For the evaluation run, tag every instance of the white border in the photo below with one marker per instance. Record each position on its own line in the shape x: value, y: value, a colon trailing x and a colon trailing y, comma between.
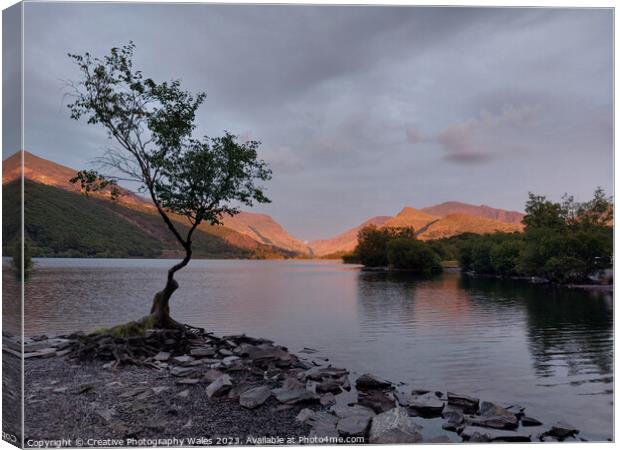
x: 481, y: 3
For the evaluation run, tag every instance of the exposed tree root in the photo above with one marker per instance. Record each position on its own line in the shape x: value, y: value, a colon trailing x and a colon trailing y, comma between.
x: 136, y: 341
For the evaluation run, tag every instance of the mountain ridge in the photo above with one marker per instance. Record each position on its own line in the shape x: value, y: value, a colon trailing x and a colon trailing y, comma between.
x: 251, y: 231
x: 431, y: 226
x: 453, y: 207
x: 260, y: 228
x: 345, y: 241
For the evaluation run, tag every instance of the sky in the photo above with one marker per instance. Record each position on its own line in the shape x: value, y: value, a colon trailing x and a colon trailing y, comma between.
x: 360, y: 110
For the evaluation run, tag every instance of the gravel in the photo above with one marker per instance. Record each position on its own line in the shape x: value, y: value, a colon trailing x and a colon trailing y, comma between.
x: 69, y: 400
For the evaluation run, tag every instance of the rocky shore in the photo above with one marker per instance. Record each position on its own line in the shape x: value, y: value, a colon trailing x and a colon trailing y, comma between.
x: 209, y: 390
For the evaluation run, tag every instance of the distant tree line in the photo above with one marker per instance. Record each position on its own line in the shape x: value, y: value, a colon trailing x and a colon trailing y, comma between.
x: 564, y: 242
x: 394, y: 247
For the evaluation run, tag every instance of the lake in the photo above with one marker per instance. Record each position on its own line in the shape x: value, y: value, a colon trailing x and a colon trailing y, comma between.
x: 548, y: 349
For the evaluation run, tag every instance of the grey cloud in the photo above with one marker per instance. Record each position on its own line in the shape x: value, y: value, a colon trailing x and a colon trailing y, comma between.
x: 484, y: 137
x: 491, y: 134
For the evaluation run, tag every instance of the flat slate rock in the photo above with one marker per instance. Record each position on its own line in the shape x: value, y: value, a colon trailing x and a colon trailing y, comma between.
x: 351, y: 411
x: 480, y: 434
x: 220, y: 386
x: 467, y: 403
x: 201, y: 352
x: 527, y: 421
x: 188, y: 380
x: 183, y: 360
x: 516, y: 409
x: 371, y: 382
x: 179, y: 371
x: 292, y: 383
x: 403, y: 398
x: 353, y: 426
x: 562, y: 430
x: 427, y: 405
x: 329, y: 385
x: 304, y: 415
x: 394, y: 427
x: 378, y: 401
x: 211, y: 375
x: 318, y: 373
x: 255, y: 397
x: 55, y: 343
x: 42, y: 353
x: 494, y: 416
x: 453, y: 416
x: 294, y: 396
x: 327, y: 399
x: 420, y: 391
x: 162, y: 356
x: 235, y: 392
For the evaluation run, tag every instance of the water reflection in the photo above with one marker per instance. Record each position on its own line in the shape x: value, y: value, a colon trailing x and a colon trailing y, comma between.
x: 550, y: 350
x: 567, y: 328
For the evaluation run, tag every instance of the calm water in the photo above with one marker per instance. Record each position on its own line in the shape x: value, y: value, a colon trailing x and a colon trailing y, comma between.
x: 550, y: 350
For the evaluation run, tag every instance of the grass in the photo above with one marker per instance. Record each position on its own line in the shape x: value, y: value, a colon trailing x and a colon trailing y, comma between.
x: 130, y: 329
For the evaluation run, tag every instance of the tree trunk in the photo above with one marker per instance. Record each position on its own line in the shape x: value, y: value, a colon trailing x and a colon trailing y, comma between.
x: 160, y: 311
x: 161, y: 308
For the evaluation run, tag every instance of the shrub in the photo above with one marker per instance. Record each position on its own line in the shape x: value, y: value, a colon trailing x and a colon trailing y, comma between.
x: 413, y: 255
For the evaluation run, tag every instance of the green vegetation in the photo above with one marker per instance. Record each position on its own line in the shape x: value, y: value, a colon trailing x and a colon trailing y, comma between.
x: 563, y: 242
x: 396, y: 248
x: 16, y: 262
x: 130, y: 329
x: 413, y: 255
x: 56, y: 219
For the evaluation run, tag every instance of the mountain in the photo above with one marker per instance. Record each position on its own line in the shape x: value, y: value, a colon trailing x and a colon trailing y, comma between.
x: 250, y: 235
x: 344, y: 242
x: 429, y: 226
x: 411, y: 217
x: 247, y: 234
x: 64, y: 223
x: 433, y: 222
x: 462, y: 223
x: 53, y: 174
x: 448, y: 208
x: 263, y: 229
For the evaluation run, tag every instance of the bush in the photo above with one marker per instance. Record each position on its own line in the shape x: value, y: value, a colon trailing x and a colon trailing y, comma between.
x: 372, y: 247
x: 505, y: 257
x: 481, y: 256
x: 372, y: 244
x: 413, y: 255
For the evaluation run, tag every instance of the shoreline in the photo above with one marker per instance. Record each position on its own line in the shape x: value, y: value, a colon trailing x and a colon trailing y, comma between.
x: 250, y: 388
x: 530, y: 280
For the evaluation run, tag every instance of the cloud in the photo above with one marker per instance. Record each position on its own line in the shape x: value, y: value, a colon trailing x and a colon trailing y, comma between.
x: 414, y: 136
x: 482, y: 138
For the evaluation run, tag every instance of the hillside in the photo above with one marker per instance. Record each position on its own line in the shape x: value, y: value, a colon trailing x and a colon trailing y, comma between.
x: 250, y: 234
x: 429, y: 225
x: 448, y: 208
x: 461, y: 223
x: 344, y: 242
x: 263, y: 229
x: 62, y: 223
x: 57, y: 206
x: 411, y: 217
x: 50, y: 173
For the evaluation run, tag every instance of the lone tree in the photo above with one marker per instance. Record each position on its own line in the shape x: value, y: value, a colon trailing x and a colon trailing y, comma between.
x: 152, y: 125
